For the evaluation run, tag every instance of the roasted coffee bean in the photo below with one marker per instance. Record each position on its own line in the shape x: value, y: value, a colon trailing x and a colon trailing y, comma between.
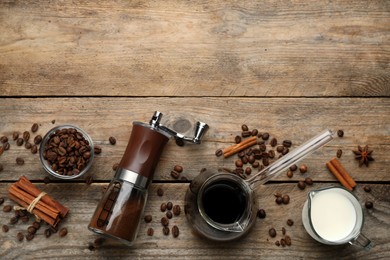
x: 164, y: 221
x: 285, y: 151
x: 283, y: 231
x: 290, y: 222
x: 365, y: 188
x: 34, y: 149
x: 272, y: 232
x: 178, y: 168
x: 46, y: 180
x: 53, y: 121
x: 112, y: 140
x: 31, y: 230
x: 369, y: 204
x: 176, y: 210
x: 255, y: 164
x: 1, y: 200
x: 237, y: 139
x: 246, y: 133
x: 150, y: 232
x: 19, y: 161
x: 115, y: 166
x: 279, y: 200
x: 6, y: 146
x: 63, y: 232
x: 290, y: 174
x: 244, y: 159
x: 282, y: 242
x: 5, y: 228
x: 175, y: 174
x: 293, y: 167
x: 339, y: 153
x: 255, y: 132
x: 15, y: 136
x: 273, y: 142
x: 218, y: 152
x: 160, y: 192
x: 175, y: 231
x: 340, y: 133
x: 148, y: 218
x: 287, y: 143
x: 89, y: 179
x: 169, y: 205
x: 309, y: 181
x: 53, y: 230
x: 29, y: 237
x: 163, y: 207
x: 261, y: 213
x: 265, y: 161
x: 169, y: 214
x: 1, y: 150
x: 239, y: 163
x: 1, y: 169
x: 19, y: 142
x: 25, y: 219
x: 37, y: 139
x: 97, y: 150
x: 277, y: 243
x: 14, y: 220
x: 7, y: 208
x: 265, y: 136
x: 271, y: 154
x: 3, y: 139
x: 288, y: 240
x: 241, y: 154
x: 303, y: 168
x: 34, y: 127
x: 27, y: 145
x: 301, y: 185
x: 165, y: 231
x: 244, y: 127
x: 248, y: 170
x: 262, y: 147
x: 286, y: 199
x: 47, y: 232
x: 179, y: 142
x: 26, y: 136
x: 279, y: 148
x: 20, y: 236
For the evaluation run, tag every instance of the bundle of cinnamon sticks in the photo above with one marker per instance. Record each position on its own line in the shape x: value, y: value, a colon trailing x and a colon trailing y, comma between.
x: 341, y: 174
x: 46, y: 208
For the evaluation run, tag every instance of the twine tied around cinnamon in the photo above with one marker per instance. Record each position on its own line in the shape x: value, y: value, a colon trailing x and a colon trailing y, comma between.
x: 32, y: 205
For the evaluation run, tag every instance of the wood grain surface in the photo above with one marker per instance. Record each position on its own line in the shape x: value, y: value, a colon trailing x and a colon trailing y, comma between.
x: 289, y: 68
x: 200, y: 48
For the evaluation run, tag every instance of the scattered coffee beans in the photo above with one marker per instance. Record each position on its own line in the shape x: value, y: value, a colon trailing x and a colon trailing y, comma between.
x: 37, y: 139
x: 169, y: 214
x: 112, y: 140
x: 340, y: 133
x: 97, y: 150
x: 286, y: 199
x: 3, y: 139
x: 244, y: 127
x: 290, y: 174
x: 47, y: 232
x: 237, y: 139
x: 165, y: 231
x: 277, y: 243
x: 115, y: 166
x: 175, y: 174
x: 175, y: 231
x: 148, y: 218
x: 34, y: 149
x: 14, y: 220
x: 176, y: 210
x: 283, y: 231
x: 19, y: 161
x: 26, y: 136
x: 365, y: 188
x: 6, y: 146
x: 272, y: 232
x: 150, y: 232
x: 27, y: 145
x: 303, y: 168
x: 5, y: 228
x: 169, y: 205
x: 31, y: 230
x: 282, y: 242
x: 1, y: 169
x: 290, y: 222
x: 7, y: 208
x: 246, y: 133
x: 160, y: 192
x: 1, y: 150
x: 63, y: 232
x: 178, y: 168
x: 261, y: 213
x: 369, y: 204
x: 293, y: 167
x: 89, y: 179
x: 163, y: 207
x: 29, y: 237
x: 218, y: 152
x: 20, y: 236
x: 265, y: 136
x: 339, y: 153
x: 34, y: 127
x: 279, y: 200
x: 287, y: 239
x: 287, y: 143
x: 1, y: 200
x: 309, y: 181
x: 301, y: 185
x: 15, y: 136
x: 273, y: 142
x: 19, y: 142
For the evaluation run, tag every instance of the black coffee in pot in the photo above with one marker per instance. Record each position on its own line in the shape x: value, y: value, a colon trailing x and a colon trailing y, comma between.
x: 224, y: 202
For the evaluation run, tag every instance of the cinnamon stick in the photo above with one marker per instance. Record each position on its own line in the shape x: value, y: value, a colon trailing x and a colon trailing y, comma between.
x: 337, y: 164
x: 336, y: 173
x: 240, y: 146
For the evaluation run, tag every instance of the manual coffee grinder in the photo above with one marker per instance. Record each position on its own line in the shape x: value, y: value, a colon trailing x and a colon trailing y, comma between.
x: 119, y: 212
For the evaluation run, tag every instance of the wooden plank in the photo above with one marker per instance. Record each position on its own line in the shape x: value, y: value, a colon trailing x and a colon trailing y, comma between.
x: 82, y: 200
x: 167, y: 48
x: 364, y: 121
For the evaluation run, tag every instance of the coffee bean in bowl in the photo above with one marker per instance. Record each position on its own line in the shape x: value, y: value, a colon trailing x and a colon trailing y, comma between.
x: 66, y: 152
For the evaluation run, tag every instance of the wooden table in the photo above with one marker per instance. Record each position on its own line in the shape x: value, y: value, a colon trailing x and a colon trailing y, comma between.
x: 290, y: 68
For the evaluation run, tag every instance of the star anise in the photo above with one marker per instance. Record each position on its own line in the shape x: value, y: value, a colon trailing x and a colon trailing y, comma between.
x: 363, y: 155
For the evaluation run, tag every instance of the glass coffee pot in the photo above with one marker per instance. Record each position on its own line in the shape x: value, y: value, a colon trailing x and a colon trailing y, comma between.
x: 223, y: 206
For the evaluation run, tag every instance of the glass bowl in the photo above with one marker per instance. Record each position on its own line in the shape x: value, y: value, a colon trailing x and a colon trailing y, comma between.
x: 66, y: 152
